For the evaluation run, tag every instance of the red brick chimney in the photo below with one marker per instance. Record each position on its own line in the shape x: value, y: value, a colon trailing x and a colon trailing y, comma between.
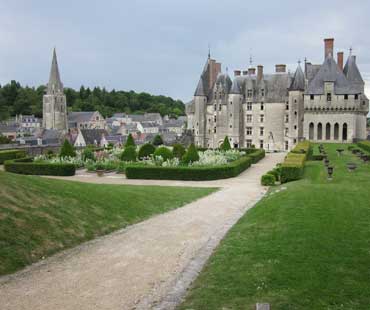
x: 280, y: 68
x: 237, y: 72
x: 340, y: 60
x: 259, y: 72
x: 252, y: 71
x: 329, y: 46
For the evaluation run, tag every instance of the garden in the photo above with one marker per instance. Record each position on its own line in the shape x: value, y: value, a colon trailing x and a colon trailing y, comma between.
x: 149, y: 161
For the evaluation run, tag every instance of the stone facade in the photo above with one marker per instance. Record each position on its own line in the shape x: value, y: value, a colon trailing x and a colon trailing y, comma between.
x: 54, y: 101
x: 274, y: 111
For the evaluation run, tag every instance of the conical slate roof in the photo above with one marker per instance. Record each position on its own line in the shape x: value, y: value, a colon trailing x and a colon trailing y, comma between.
x: 200, y: 88
x: 224, y: 80
x: 351, y: 70
x: 298, y: 82
x: 329, y: 72
x: 55, y: 84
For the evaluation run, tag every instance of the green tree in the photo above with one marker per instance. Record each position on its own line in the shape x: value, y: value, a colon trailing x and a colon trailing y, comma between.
x: 129, y: 154
x: 157, y: 140
x: 191, y: 155
x: 178, y: 150
x: 67, y: 150
x: 130, y: 141
x: 225, y: 146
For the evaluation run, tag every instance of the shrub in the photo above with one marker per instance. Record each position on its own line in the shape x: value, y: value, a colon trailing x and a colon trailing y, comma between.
x: 191, y: 155
x: 365, y: 145
x: 129, y: 154
x: 157, y: 140
x: 188, y: 173
x: 225, y: 146
x: 88, y: 154
x: 256, y: 155
x: 27, y: 166
x: 178, y: 151
x: 67, y: 150
x: 164, y: 152
x: 275, y: 172
x: 146, y: 150
x: 293, y: 167
x: 11, y: 154
x: 268, y: 179
x: 130, y: 141
x: 4, y: 140
x: 303, y: 147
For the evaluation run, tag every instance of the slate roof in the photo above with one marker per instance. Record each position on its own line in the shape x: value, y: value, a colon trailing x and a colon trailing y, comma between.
x: 353, y: 74
x: 330, y: 72
x: 92, y: 135
x: 199, y: 91
x: 55, y: 84
x: 8, y: 128
x: 80, y: 117
x: 149, y: 124
x: 224, y: 81
x: 299, y: 81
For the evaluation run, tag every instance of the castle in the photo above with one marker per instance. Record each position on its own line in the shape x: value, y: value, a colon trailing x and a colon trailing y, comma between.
x: 54, y: 101
x: 274, y: 111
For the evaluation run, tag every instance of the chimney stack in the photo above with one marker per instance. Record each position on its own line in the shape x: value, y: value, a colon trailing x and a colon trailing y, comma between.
x: 329, y: 47
x: 237, y: 72
x: 280, y: 68
x: 252, y: 71
x: 259, y: 72
x: 245, y: 72
x: 340, y: 60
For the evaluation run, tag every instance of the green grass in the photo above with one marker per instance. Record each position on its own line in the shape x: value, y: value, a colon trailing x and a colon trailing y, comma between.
x: 40, y: 216
x: 306, y: 247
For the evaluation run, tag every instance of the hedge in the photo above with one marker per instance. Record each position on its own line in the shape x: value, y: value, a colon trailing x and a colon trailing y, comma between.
x: 257, y: 155
x: 193, y: 173
x: 11, y: 154
x: 28, y: 166
x: 365, y: 145
x: 303, y: 147
x: 268, y: 179
x: 292, y: 167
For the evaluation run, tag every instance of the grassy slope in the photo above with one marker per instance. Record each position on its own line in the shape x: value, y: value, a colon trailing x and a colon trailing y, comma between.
x: 307, y: 247
x: 39, y: 216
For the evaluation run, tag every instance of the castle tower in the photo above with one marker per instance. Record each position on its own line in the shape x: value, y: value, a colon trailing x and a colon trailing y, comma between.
x: 54, y: 101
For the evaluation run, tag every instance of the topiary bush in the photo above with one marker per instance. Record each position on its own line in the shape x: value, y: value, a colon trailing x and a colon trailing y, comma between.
x: 146, y: 150
x: 275, y: 172
x: 130, y: 141
x: 164, y: 152
x: 67, y: 150
x: 225, y: 146
x: 157, y: 140
x: 129, y: 154
x: 268, y: 179
x: 191, y: 155
x: 11, y: 154
x: 178, y: 151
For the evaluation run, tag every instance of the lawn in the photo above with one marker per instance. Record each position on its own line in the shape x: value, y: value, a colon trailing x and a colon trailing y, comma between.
x: 305, y: 247
x: 39, y: 216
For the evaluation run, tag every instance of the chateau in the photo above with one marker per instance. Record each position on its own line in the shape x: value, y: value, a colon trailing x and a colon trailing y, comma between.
x: 274, y: 111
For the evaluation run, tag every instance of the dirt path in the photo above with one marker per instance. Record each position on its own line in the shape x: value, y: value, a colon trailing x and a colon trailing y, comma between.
x: 146, y: 266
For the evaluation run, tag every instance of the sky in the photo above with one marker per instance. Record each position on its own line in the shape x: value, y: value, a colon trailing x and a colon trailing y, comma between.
x: 161, y: 46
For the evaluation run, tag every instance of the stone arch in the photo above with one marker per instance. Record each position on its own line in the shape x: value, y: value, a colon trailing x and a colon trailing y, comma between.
x: 336, y: 131
x: 327, y: 131
x: 344, y: 132
x: 319, y: 131
x: 311, y: 131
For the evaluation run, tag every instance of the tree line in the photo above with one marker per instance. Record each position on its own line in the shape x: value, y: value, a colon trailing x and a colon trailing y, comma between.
x: 16, y: 99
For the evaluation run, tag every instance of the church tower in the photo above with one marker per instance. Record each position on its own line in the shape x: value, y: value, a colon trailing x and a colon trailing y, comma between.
x: 54, y: 101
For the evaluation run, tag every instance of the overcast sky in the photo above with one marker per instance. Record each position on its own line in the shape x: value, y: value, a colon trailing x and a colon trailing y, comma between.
x: 161, y: 46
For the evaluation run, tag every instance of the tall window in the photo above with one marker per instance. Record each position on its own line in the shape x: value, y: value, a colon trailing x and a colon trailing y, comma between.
x: 249, y: 106
x: 262, y: 118
x: 261, y: 131
x: 312, y: 97
x: 262, y: 106
x: 262, y: 92
x: 249, y: 131
x: 319, y: 131
x: 249, y: 93
x: 328, y: 97
x: 249, y: 118
x: 286, y: 145
x: 261, y: 144
x: 286, y: 131
x: 287, y: 106
x: 310, y: 131
x: 286, y: 118
x: 249, y: 143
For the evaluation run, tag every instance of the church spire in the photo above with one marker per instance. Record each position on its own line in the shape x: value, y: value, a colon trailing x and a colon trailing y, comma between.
x: 55, y: 85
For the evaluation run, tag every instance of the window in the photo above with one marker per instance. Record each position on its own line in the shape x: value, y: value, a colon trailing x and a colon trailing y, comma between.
x: 214, y: 119
x: 249, y: 93
x: 287, y: 106
x: 249, y: 143
x: 219, y: 107
x: 231, y: 126
x: 231, y: 102
x: 262, y: 106
x: 214, y: 130
x: 287, y: 118
x: 261, y: 144
x: 231, y: 115
x: 294, y: 141
x: 312, y: 97
x: 249, y: 106
x: 215, y: 107
x: 261, y: 131
x: 286, y: 131
x: 262, y: 117
x: 328, y: 97
x: 295, y: 113
x: 356, y: 97
x: 262, y: 92
x: 345, y: 97
x: 249, y: 131
x: 286, y: 145
x: 295, y: 127
x: 249, y: 118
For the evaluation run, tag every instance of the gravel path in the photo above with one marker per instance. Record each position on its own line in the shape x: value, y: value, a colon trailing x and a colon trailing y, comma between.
x: 145, y: 266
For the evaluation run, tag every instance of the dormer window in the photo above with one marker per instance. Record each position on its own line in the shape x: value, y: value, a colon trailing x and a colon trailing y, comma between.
x: 328, y: 97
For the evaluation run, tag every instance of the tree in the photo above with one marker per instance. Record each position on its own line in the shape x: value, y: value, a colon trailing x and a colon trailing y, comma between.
x: 178, y: 150
x: 4, y: 140
x: 146, y: 150
x: 67, y: 150
x: 225, y: 146
x: 130, y: 141
x: 191, y: 155
x: 129, y: 154
x: 164, y: 152
x: 157, y: 140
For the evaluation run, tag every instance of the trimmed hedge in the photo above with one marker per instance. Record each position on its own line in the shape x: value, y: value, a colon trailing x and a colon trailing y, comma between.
x: 268, y: 179
x: 193, y: 173
x: 293, y: 167
x: 257, y: 155
x: 27, y: 166
x: 365, y: 145
x: 11, y: 154
x: 303, y: 147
